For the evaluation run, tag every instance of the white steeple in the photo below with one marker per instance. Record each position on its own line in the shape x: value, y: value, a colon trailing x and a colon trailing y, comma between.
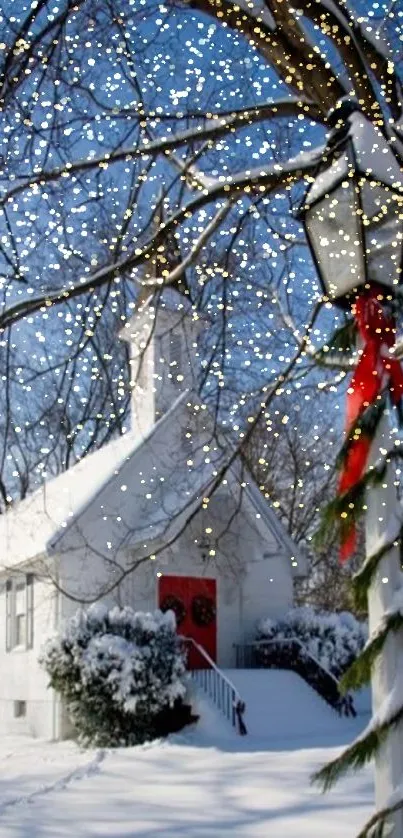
x: 163, y: 346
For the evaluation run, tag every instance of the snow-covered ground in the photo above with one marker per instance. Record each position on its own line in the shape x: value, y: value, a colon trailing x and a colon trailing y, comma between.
x: 175, y: 790
x: 205, y: 783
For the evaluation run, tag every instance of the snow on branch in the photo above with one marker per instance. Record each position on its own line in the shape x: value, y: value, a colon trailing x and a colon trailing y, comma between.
x: 258, y: 10
x: 276, y: 176
x: 348, y: 43
x: 208, y: 231
x: 361, y: 45
x: 214, y: 128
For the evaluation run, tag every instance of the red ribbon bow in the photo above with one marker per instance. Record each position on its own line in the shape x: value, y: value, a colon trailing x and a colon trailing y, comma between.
x: 375, y: 370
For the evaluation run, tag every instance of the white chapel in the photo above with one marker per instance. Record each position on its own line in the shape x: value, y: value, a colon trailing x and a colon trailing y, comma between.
x: 165, y: 516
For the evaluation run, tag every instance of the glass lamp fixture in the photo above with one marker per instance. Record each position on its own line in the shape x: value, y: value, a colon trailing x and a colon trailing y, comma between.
x: 353, y: 209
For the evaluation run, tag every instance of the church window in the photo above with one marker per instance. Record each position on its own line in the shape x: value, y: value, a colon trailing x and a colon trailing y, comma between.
x: 20, y: 709
x: 20, y: 612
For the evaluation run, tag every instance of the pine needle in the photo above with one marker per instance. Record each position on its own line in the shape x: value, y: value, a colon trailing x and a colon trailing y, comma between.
x: 374, y: 828
x: 359, y: 673
x: 343, y: 511
x: 357, y: 755
x: 341, y: 342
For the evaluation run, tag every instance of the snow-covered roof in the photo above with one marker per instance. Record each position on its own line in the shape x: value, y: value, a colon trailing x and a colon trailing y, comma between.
x: 372, y: 157
x: 136, y: 491
x: 28, y: 525
x: 373, y: 152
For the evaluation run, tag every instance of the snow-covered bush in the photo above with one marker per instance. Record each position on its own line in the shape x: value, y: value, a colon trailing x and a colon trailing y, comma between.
x: 335, y: 640
x: 120, y: 674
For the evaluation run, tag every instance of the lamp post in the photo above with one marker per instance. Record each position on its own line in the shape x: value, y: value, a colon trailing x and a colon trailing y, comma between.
x: 353, y: 215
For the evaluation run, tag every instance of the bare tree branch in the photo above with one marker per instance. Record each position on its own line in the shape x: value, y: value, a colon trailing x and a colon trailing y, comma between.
x: 214, y: 129
x: 274, y: 177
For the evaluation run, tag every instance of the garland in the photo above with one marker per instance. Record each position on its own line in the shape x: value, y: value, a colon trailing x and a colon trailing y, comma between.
x: 346, y: 508
x: 344, y: 513
x: 365, y: 425
x: 359, y: 672
x: 363, y: 578
x: 342, y: 342
x: 377, y: 371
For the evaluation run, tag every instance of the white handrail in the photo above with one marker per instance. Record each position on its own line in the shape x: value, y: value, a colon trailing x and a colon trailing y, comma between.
x: 233, y: 706
x: 345, y: 702
x: 213, y: 665
x: 301, y: 645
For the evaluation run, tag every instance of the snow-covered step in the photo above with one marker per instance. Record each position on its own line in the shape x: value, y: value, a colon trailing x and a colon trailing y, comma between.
x: 280, y: 705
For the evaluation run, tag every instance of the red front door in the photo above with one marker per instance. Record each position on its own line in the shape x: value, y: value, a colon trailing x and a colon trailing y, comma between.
x: 194, y: 601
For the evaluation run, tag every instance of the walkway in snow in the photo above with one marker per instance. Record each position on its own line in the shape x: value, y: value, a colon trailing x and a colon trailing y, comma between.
x: 207, y: 782
x: 185, y: 788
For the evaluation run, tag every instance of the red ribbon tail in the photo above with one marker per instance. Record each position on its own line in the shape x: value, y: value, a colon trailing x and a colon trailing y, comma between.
x: 364, y: 387
x: 355, y: 463
x: 348, y: 544
x: 375, y: 370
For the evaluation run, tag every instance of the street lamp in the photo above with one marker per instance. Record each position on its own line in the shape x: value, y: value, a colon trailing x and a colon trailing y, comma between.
x: 353, y: 217
x: 353, y: 210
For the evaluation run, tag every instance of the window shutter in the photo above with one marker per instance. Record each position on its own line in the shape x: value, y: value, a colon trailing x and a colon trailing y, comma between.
x: 9, y: 614
x: 29, y: 581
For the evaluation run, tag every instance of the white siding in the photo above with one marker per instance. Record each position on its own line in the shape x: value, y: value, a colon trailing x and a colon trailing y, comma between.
x: 22, y: 678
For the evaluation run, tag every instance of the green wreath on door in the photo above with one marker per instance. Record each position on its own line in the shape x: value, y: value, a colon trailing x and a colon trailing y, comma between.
x: 173, y: 603
x: 203, y: 610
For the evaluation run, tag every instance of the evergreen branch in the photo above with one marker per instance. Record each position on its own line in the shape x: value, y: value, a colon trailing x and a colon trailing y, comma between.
x: 366, y: 425
x: 346, y: 509
x: 339, y: 350
x: 342, y: 341
x: 358, y: 754
x: 362, y: 579
x: 374, y: 828
x: 359, y: 673
x: 341, y: 512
